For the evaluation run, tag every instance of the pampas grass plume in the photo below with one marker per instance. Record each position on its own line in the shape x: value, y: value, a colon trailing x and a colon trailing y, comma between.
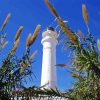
x: 28, y: 40
x: 85, y: 14
x: 51, y: 8
x: 31, y: 38
x: 5, y: 22
x: 98, y: 44
x: 33, y: 55
x: 15, y: 46
x: 18, y: 32
x: 35, y: 34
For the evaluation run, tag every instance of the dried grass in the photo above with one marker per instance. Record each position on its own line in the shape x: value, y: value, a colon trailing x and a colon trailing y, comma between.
x: 35, y: 34
x: 5, y: 22
x: 24, y: 67
x: 31, y: 39
x: 66, y: 30
x: 61, y: 65
x: 27, y: 63
x: 51, y: 8
x: 33, y: 55
x: 28, y: 40
x: 85, y: 14
x: 98, y: 44
x: 70, y: 35
x: 18, y: 32
x: 15, y: 46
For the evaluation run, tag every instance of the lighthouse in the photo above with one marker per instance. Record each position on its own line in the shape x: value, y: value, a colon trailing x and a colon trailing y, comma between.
x: 48, y: 74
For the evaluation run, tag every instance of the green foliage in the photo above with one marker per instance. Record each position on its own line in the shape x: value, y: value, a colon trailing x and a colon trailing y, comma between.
x: 87, y: 69
x: 13, y: 70
x: 86, y: 60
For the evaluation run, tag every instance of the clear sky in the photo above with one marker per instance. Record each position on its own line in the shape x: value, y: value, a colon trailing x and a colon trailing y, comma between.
x: 29, y: 13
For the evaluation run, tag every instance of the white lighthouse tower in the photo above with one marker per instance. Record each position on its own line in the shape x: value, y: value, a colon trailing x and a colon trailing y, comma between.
x: 49, y: 42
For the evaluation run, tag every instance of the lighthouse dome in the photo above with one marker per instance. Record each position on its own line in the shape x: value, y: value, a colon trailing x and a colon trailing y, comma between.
x: 51, y: 28
x: 50, y: 31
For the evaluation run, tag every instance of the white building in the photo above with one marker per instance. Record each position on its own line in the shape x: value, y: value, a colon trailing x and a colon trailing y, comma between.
x: 49, y: 42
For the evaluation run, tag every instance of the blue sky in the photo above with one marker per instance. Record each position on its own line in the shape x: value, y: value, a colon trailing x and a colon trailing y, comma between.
x: 29, y: 13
